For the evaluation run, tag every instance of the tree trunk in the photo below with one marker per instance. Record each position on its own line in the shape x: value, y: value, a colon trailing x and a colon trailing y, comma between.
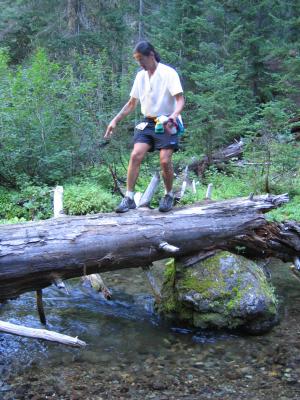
x: 77, y: 17
x: 35, y: 254
x: 72, y: 17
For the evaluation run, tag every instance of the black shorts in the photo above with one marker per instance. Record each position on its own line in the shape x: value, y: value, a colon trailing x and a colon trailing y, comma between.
x: 157, y: 141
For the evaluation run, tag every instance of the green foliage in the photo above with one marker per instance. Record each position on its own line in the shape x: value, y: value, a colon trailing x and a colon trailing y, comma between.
x: 52, y: 117
x: 289, y: 211
x: 240, y: 182
x: 7, y: 207
x: 31, y: 202
x: 87, y: 198
x: 218, y: 101
x: 35, y: 201
x: 99, y: 175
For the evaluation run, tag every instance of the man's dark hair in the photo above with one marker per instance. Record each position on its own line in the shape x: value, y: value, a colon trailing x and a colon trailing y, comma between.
x: 145, y: 48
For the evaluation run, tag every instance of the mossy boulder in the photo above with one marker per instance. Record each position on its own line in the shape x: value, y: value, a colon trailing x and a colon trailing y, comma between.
x: 223, y: 292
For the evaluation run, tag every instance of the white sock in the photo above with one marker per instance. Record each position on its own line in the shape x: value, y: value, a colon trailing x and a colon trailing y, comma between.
x: 129, y: 194
x: 170, y: 193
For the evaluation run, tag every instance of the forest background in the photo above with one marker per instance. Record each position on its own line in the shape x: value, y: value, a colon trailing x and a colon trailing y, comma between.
x: 66, y: 68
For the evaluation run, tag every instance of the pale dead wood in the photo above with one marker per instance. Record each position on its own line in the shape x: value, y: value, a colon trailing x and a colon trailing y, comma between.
x: 149, y: 192
x: 58, y: 209
x: 153, y: 284
x: 44, y: 334
x: 98, y: 285
x: 168, y: 248
x: 209, y: 191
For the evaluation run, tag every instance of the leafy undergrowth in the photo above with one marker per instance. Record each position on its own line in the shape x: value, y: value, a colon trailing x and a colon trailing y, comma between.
x: 231, y: 186
x: 289, y: 211
x: 92, y: 194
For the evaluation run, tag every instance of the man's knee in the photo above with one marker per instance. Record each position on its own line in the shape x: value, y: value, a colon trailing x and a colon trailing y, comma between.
x: 137, y: 156
x: 166, y: 163
x: 166, y: 160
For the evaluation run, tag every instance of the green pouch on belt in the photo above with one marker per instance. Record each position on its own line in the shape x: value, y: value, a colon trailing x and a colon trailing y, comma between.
x: 159, y: 123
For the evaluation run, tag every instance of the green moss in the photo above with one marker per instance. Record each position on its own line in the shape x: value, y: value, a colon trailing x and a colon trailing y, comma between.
x: 170, y: 270
x: 169, y: 301
x: 211, y: 281
x: 215, y: 285
x: 169, y: 305
x: 205, y: 286
x: 185, y: 314
x: 209, y: 319
x: 238, y: 293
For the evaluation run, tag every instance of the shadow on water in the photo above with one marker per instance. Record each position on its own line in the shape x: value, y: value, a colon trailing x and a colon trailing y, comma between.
x: 132, y: 354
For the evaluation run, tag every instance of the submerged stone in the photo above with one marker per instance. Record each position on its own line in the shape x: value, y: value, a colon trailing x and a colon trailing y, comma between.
x: 225, y: 291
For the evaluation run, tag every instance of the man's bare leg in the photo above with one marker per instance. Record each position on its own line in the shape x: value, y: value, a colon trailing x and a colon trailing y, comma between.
x: 137, y: 155
x: 167, y: 168
x: 166, y: 164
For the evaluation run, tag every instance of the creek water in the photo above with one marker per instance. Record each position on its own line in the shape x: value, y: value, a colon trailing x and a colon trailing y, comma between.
x: 131, y: 354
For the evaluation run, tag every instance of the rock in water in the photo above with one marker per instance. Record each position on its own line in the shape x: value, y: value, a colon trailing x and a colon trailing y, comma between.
x: 225, y: 291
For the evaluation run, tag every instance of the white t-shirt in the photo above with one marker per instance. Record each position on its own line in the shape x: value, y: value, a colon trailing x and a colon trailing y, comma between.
x: 156, y: 93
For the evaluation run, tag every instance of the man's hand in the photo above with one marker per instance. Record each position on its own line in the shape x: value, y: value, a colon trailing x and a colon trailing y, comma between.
x: 173, y: 117
x: 110, y: 129
x: 128, y: 108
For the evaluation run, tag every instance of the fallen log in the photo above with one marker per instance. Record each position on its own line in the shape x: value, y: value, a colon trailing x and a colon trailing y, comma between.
x: 234, y: 150
x: 35, y: 254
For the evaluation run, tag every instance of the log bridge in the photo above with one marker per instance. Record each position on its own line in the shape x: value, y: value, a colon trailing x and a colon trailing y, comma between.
x: 34, y: 255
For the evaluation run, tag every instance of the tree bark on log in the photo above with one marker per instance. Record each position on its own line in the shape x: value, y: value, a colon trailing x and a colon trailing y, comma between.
x: 35, y: 254
x: 280, y: 240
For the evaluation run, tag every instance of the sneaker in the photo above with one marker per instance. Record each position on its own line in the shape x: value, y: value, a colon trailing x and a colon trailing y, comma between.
x: 166, y: 203
x: 126, y: 204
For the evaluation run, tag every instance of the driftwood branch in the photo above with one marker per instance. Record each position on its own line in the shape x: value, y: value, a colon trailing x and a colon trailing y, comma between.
x: 40, y: 306
x: 98, y: 285
x: 44, y: 334
x: 153, y: 283
x: 295, y: 272
x: 61, y: 285
x: 117, y: 188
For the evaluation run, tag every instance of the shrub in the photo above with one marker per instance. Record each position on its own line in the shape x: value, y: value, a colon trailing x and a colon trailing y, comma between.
x: 31, y: 202
x: 87, y: 198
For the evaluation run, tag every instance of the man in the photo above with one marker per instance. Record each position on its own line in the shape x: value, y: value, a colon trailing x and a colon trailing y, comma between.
x: 158, y: 88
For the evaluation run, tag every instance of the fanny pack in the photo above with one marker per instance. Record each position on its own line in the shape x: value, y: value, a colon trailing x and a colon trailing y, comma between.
x: 165, y: 124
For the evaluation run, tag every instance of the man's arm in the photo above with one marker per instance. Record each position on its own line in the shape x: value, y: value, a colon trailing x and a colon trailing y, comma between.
x: 179, y: 106
x: 127, y: 109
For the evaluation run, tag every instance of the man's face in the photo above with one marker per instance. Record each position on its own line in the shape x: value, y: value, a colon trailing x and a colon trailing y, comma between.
x: 145, y: 62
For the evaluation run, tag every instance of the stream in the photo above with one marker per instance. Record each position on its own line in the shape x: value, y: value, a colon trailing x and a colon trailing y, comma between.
x: 132, y: 354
